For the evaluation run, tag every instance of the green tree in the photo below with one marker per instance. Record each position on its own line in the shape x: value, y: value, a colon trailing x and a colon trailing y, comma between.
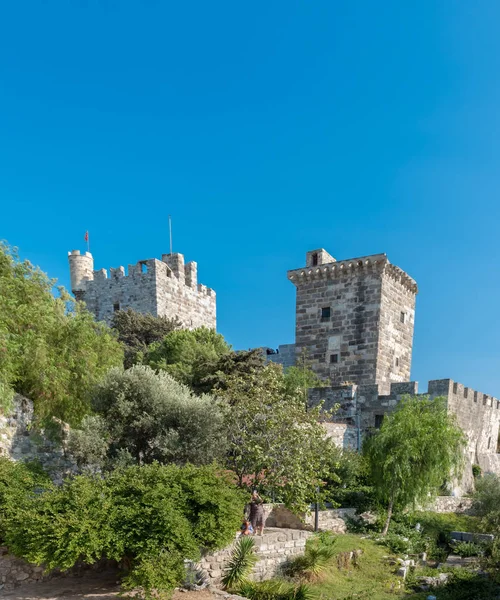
x: 148, y: 416
x: 51, y: 349
x: 275, y: 442
x: 487, y: 501
x: 418, y: 447
x: 150, y: 518
x: 218, y: 371
x: 138, y: 331
x: 185, y: 354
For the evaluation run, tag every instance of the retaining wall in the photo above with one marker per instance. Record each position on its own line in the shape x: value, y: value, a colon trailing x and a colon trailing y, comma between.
x: 273, y: 549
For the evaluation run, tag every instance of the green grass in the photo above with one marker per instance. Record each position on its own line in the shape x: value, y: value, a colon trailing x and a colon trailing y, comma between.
x: 373, y: 579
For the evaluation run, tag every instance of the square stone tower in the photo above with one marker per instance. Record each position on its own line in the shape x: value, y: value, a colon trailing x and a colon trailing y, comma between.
x: 355, y: 318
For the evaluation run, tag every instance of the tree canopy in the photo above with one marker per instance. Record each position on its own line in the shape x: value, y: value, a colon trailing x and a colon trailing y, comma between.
x: 143, y: 416
x: 137, y: 331
x: 417, y: 449
x: 275, y: 442
x: 188, y: 355
x: 51, y: 349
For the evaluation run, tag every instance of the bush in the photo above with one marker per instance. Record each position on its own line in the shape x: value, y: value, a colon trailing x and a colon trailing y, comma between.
x: 487, y: 502
x: 16, y: 481
x: 150, y: 518
x: 146, y: 416
x: 467, y: 549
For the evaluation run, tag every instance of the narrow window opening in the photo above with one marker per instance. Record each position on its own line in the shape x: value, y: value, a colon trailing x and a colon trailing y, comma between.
x: 325, y: 313
x: 455, y: 387
x: 489, y: 443
x: 379, y: 419
x: 397, y: 361
x: 402, y: 317
x: 315, y: 259
x: 334, y: 359
x: 485, y: 399
x: 116, y: 307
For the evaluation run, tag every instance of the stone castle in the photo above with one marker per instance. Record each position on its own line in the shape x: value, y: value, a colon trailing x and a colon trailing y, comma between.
x: 354, y: 326
x: 164, y: 288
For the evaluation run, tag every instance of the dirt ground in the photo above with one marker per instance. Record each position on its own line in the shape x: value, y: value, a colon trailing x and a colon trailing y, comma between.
x: 98, y: 586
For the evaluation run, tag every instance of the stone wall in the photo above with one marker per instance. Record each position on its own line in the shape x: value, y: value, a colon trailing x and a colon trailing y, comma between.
x: 334, y: 520
x: 274, y: 548
x: 354, y: 318
x: 14, y: 571
x: 284, y: 356
x: 20, y: 441
x: 478, y: 415
x: 397, y: 319
x: 164, y: 287
x: 450, y: 504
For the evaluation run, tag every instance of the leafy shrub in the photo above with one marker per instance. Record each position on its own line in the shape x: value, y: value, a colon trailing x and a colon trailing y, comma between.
x: 275, y: 589
x: 476, y: 471
x: 467, y: 585
x: 151, y: 518
x: 487, y: 502
x: 16, y: 481
x: 467, y: 549
x: 241, y: 563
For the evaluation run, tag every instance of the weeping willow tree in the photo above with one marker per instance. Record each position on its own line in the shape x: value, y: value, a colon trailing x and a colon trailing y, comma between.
x: 418, y: 447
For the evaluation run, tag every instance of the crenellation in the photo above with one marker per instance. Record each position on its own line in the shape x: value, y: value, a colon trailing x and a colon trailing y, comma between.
x: 100, y: 274
x: 164, y: 287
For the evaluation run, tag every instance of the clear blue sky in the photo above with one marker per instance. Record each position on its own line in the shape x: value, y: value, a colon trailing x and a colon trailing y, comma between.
x: 265, y: 129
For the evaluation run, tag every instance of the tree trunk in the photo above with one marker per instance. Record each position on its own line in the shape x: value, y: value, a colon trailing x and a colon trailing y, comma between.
x: 389, y: 515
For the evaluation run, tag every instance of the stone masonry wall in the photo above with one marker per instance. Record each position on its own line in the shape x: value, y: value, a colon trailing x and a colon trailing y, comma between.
x: 20, y: 442
x: 164, y: 287
x: 397, y: 319
x: 348, y: 318
x: 478, y: 415
x: 274, y: 548
x: 285, y: 356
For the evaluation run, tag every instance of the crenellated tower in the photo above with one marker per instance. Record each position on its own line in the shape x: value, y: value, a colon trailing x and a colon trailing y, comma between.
x: 355, y: 318
x: 166, y: 287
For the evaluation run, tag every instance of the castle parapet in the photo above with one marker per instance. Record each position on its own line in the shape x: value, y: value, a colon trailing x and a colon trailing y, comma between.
x: 461, y: 394
x: 191, y: 272
x: 176, y: 262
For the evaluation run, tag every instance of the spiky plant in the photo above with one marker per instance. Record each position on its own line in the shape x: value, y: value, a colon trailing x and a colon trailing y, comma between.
x: 241, y: 563
x: 276, y: 589
x: 318, y: 556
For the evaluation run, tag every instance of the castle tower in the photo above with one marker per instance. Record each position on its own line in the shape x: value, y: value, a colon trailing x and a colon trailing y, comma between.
x: 355, y: 318
x: 164, y: 288
x: 81, y: 269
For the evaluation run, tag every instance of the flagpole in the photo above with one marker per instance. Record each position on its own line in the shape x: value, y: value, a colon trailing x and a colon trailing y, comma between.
x: 170, y: 231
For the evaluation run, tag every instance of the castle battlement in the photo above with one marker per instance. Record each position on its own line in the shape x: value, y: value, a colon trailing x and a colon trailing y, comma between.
x: 166, y: 287
x: 458, y: 393
x: 318, y: 269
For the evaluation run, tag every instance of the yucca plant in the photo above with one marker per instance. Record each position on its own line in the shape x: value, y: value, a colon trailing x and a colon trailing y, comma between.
x: 318, y: 556
x: 241, y: 563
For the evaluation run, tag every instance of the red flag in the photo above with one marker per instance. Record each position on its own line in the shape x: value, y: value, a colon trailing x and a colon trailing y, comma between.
x: 86, y: 238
